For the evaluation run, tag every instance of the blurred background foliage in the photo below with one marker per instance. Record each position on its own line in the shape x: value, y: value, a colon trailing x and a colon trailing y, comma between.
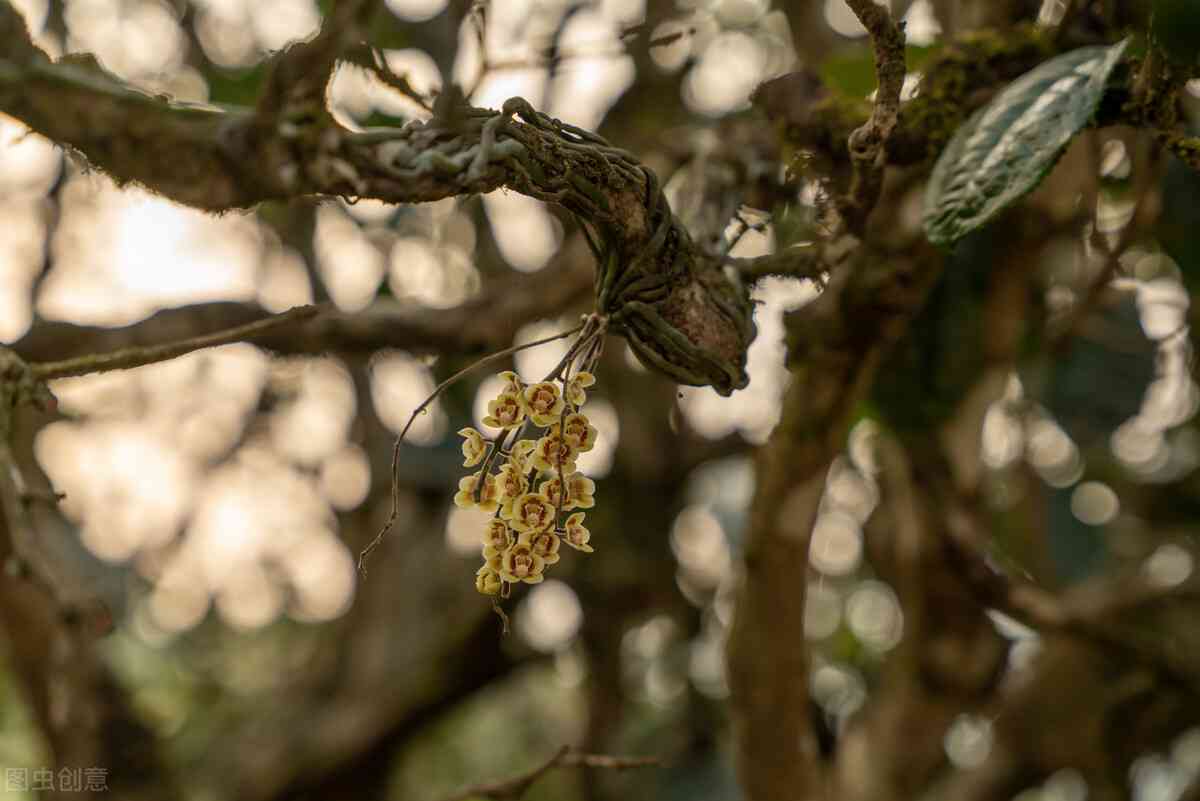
x: 222, y: 498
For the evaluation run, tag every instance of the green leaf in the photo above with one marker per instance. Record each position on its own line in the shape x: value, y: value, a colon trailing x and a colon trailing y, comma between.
x: 1005, y: 149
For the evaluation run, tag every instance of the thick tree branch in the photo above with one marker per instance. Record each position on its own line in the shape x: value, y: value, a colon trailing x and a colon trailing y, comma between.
x: 52, y: 620
x: 836, y: 344
x: 680, y: 311
x: 949, y: 657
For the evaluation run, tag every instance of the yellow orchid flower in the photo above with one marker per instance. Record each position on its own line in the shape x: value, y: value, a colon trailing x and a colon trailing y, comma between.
x: 487, y: 581
x: 544, y: 544
x: 576, y: 385
x: 474, y: 446
x: 544, y: 402
x: 520, y: 453
x: 497, y: 538
x: 506, y: 411
x: 553, y: 452
x: 576, y: 534
x: 579, y: 431
x: 531, y: 512
x: 489, y: 500
x: 520, y: 563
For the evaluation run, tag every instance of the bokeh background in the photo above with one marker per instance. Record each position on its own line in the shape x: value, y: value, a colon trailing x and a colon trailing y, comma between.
x: 219, y: 501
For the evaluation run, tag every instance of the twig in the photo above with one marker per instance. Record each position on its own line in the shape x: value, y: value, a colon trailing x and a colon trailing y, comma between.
x: 492, y: 357
x: 300, y: 73
x: 369, y: 58
x: 136, y: 357
x: 514, y: 787
x: 867, y: 142
x: 552, y: 57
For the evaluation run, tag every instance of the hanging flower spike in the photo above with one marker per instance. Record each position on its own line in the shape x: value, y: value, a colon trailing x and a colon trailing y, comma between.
x: 497, y: 538
x: 488, y: 581
x: 489, y: 499
x: 513, y: 484
x: 544, y: 402
x: 474, y: 447
x: 543, y: 543
x: 576, y: 534
x: 520, y: 563
x: 506, y: 411
x: 578, y: 431
x: 530, y: 512
x: 553, y: 453
x: 519, y: 455
x: 576, y: 385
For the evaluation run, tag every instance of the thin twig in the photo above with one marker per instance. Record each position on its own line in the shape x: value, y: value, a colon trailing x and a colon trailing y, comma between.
x: 370, y: 59
x: 867, y: 142
x: 514, y: 787
x: 492, y: 357
x: 550, y: 57
x: 137, y: 357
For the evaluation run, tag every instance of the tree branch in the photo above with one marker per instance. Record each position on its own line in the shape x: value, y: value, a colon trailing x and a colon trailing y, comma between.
x: 482, y: 324
x: 949, y: 656
x: 515, y: 787
x: 53, y: 620
x: 868, y: 141
x: 1091, y: 612
x: 794, y: 262
x: 677, y: 307
x: 138, y: 356
x: 835, y: 345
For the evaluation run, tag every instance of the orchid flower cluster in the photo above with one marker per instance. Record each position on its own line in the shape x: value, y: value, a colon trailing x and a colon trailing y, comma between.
x: 535, y: 480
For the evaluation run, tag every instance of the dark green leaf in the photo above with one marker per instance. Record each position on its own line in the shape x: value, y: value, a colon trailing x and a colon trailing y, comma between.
x: 1005, y: 149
